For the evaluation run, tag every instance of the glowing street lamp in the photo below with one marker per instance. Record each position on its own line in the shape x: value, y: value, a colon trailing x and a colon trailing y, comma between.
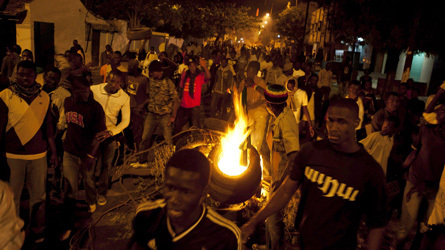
x: 267, y: 14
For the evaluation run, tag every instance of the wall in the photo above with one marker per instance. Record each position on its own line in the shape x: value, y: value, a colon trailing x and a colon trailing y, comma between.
x: 117, y: 40
x: 68, y: 17
x: 423, y: 63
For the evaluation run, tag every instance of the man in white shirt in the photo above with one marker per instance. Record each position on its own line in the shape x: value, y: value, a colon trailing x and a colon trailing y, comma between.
x: 353, y: 90
x: 298, y: 72
x: 287, y: 74
x: 114, y: 101
x: 298, y: 101
x: 274, y: 72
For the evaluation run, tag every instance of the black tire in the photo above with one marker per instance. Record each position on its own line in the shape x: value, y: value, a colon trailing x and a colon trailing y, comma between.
x: 139, y: 34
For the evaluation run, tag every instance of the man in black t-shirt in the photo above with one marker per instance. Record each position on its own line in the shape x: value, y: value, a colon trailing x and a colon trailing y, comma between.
x: 339, y: 182
x: 181, y: 220
x: 85, y: 118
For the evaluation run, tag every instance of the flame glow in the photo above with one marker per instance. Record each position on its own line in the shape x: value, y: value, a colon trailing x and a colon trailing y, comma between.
x: 231, y: 152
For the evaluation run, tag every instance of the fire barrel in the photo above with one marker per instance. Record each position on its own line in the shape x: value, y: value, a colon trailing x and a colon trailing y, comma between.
x: 229, y: 190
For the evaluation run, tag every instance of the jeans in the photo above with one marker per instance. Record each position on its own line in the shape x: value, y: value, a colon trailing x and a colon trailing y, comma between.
x: 275, y: 229
x: 184, y: 115
x: 35, y: 172
x: 137, y: 124
x: 411, y: 208
x: 219, y: 103
x: 72, y: 166
x: 152, y: 121
x: 258, y: 118
x: 104, y: 162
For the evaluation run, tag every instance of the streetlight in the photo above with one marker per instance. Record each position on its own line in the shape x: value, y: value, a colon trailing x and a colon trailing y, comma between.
x: 267, y: 15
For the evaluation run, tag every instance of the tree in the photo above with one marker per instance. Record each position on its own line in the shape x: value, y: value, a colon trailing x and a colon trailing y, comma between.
x: 181, y: 18
x: 290, y: 23
x: 227, y: 17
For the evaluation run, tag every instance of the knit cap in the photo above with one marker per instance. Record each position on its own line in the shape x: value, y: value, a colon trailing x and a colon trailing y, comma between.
x: 275, y: 94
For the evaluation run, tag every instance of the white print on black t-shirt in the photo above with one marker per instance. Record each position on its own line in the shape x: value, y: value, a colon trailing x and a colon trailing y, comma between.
x: 330, y: 186
x: 74, y: 117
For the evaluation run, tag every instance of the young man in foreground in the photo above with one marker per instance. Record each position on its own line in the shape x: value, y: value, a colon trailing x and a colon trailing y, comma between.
x: 339, y: 183
x: 181, y: 220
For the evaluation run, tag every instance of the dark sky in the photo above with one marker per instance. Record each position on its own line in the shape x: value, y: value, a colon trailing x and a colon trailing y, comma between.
x: 265, y: 6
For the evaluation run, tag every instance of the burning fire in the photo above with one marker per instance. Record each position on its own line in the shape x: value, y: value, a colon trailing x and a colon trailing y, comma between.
x: 231, y: 145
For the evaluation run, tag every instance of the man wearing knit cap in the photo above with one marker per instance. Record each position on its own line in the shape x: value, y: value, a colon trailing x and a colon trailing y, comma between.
x: 283, y: 142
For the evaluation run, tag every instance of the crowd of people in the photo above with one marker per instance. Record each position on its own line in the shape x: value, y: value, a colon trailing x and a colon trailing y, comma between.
x: 340, y: 149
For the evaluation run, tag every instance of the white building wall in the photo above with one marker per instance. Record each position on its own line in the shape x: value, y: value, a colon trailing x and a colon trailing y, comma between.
x: 427, y: 68
x: 68, y: 17
x: 25, y: 32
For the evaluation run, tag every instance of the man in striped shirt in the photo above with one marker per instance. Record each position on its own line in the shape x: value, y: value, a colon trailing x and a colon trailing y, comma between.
x: 181, y: 220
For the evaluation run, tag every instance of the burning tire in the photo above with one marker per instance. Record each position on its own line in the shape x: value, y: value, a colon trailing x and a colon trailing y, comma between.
x: 227, y: 189
x: 139, y: 34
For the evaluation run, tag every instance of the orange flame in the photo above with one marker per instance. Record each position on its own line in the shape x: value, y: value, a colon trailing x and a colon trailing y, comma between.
x: 230, y: 157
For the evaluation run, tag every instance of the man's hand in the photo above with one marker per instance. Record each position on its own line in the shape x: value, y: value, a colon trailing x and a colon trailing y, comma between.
x: 247, y: 230
x: 203, y: 62
x: 88, y: 162
x: 101, y: 136
x: 172, y: 119
x: 53, y: 160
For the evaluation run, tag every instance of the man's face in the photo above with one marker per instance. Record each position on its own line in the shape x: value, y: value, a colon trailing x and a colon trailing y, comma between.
x: 290, y: 86
x: 26, y: 77
x: 115, y: 83
x: 368, y: 85
x: 52, y: 79
x: 26, y: 56
x: 341, y: 125
x: 224, y: 63
x: 81, y: 93
x: 192, y: 67
x: 76, y: 62
x: 157, y: 74
x: 116, y: 59
x: 183, y: 194
x: 392, y: 104
x: 108, y: 48
x: 353, y: 90
x: 251, y: 73
x: 313, y: 80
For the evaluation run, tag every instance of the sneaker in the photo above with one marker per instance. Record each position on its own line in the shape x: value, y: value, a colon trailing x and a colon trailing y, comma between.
x: 92, y: 208
x: 101, y: 200
x: 139, y: 165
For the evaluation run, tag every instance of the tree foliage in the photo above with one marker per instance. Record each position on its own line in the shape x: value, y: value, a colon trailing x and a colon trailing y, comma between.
x: 290, y: 23
x: 181, y: 18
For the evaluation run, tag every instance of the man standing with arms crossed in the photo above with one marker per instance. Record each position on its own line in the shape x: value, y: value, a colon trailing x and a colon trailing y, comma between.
x: 339, y: 183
